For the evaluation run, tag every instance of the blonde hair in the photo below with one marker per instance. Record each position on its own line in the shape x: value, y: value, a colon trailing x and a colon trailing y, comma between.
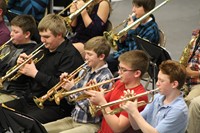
x: 99, y: 45
x: 54, y: 23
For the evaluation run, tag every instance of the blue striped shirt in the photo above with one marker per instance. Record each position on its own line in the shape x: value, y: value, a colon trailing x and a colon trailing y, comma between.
x: 81, y: 112
x: 149, y: 31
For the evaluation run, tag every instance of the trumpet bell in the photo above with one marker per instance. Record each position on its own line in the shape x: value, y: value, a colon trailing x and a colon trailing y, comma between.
x: 5, y: 51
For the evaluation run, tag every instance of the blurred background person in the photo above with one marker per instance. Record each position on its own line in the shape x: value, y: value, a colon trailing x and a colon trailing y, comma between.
x: 90, y: 23
x: 4, y: 31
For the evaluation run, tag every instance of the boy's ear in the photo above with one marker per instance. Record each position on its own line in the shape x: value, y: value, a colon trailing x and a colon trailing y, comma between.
x: 175, y: 84
x: 102, y: 56
x: 137, y: 73
x: 27, y: 34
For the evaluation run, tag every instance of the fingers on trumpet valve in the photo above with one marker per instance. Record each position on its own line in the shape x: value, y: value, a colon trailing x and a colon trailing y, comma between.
x: 67, y: 82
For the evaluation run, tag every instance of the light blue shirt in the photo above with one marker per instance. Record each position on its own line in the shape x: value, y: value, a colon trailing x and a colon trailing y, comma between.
x: 171, y: 118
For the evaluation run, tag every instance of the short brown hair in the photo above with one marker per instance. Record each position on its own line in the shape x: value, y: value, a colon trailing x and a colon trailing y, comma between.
x: 136, y: 59
x: 99, y: 45
x: 148, y: 5
x: 175, y: 71
x: 25, y: 22
x: 54, y: 23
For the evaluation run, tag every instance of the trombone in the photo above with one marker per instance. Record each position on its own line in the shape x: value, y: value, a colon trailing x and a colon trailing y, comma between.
x: 72, y: 16
x: 67, y: 7
x: 113, y: 37
x: 17, y: 66
x: 60, y: 96
x: 2, y: 56
x: 95, y: 109
x: 54, y: 90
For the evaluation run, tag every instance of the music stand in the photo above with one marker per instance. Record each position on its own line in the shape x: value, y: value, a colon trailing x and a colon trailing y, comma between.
x: 14, y: 122
x: 156, y: 54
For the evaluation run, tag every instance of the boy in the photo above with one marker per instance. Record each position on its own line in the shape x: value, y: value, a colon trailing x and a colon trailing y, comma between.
x: 146, y: 29
x: 4, y: 31
x: 168, y: 112
x: 96, y: 49
x: 133, y: 64
x: 59, y: 56
x: 22, y: 29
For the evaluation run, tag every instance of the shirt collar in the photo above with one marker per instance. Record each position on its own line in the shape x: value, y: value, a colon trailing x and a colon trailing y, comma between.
x: 99, y: 69
x: 162, y: 97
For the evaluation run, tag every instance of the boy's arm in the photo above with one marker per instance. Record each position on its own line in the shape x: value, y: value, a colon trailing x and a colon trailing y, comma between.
x: 117, y: 124
x: 136, y: 119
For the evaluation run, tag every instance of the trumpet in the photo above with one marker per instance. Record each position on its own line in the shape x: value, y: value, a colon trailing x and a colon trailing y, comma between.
x: 131, y: 98
x: 2, y: 56
x: 72, y: 16
x: 17, y: 66
x: 60, y: 96
x: 54, y: 90
x: 113, y: 37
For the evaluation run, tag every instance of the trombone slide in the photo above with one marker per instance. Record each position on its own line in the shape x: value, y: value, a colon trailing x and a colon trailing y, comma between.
x: 122, y: 32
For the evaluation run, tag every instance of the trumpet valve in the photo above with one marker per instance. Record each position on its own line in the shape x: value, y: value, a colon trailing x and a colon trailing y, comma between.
x: 57, y: 98
x: 38, y: 102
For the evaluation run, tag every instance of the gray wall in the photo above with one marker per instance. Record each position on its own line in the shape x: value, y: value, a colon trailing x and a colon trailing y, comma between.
x: 177, y: 19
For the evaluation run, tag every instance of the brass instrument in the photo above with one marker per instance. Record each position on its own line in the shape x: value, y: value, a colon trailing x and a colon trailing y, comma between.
x: 131, y: 98
x: 2, y: 56
x: 113, y: 37
x: 59, y: 96
x: 6, y: 2
x: 122, y: 23
x: 17, y: 66
x: 186, y: 52
x: 55, y: 89
x: 67, y: 7
x: 72, y: 16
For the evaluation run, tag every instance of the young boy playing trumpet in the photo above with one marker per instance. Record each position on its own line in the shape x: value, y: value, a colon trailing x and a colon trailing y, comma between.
x: 133, y: 64
x: 96, y: 51
x: 22, y: 29
x: 168, y: 112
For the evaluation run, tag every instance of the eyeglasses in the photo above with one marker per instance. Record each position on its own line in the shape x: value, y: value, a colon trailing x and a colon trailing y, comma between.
x: 123, y: 70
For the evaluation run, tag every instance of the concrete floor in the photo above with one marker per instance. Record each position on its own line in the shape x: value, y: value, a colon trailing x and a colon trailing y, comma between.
x: 177, y: 19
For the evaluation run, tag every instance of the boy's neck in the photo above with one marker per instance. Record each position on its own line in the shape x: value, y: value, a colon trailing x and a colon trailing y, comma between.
x: 99, y: 65
x: 27, y: 41
x: 172, y: 96
x: 146, y: 20
x: 132, y: 84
